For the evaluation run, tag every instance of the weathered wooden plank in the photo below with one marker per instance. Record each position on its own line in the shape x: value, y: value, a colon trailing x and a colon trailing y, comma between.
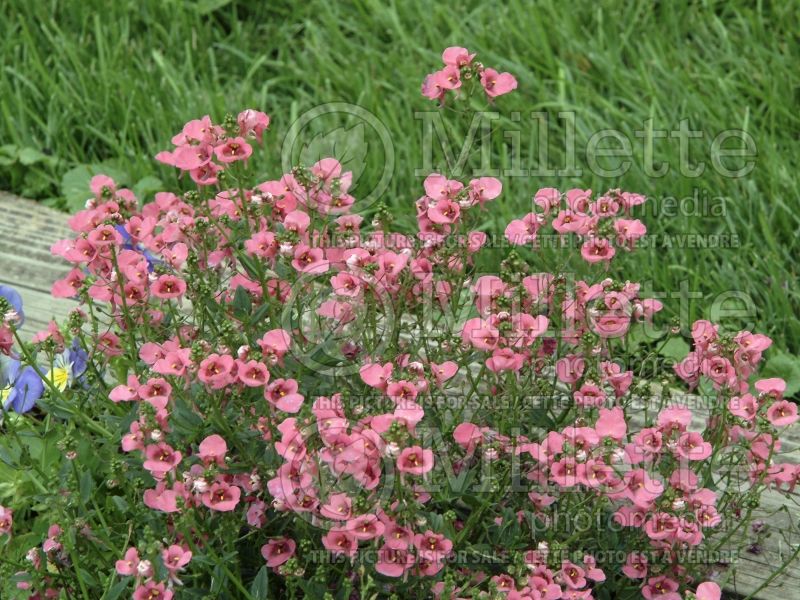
x: 27, y: 230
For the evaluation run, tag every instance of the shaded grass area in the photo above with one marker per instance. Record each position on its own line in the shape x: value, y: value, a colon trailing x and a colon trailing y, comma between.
x: 87, y: 81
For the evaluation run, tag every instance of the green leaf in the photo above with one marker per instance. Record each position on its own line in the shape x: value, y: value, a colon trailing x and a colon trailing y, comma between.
x: 147, y: 186
x: 86, y: 485
x: 787, y: 367
x: 259, y: 314
x: 242, y: 304
x: 75, y: 182
x: 675, y: 348
x: 30, y: 156
x: 205, y: 7
x: 259, y: 589
x: 116, y: 591
x: 348, y: 146
x: 121, y: 504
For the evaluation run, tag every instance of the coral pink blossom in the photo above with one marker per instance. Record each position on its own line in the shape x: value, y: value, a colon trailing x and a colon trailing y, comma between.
x: 152, y: 591
x: 782, y: 413
x: 129, y: 564
x: 415, y: 460
x: 497, y: 84
x: 213, y: 450
x: 278, y: 551
x: 232, y: 150
x: 221, y: 496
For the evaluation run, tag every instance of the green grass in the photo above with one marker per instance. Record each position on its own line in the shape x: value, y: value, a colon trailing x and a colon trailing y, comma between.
x: 87, y: 81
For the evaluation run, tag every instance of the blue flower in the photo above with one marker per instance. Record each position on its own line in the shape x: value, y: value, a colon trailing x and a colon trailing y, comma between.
x: 128, y: 244
x: 68, y: 366
x: 20, y: 387
x: 14, y: 299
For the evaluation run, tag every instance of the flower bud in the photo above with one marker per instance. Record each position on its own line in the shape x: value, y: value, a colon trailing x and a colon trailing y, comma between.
x: 678, y: 504
x: 392, y: 449
x: 144, y: 568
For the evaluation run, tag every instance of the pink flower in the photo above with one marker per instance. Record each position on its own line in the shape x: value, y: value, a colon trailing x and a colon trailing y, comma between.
x: 100, y: 184
x: 275, y: 344
x: 444, y: 371
x: 433, y: 546
x: 520, y: 232
x: 263, y: 244
x: 641, y: 489
x: 467, y: 435
x: 437, y: 84
x: 480, y: 334
x: 774, y: 386
x: 365, y: 527
x: 444, y: 211
x: 189, y: 157
x: 415, y: 460
x: 278, y: 551
x: 393, y: 563
x: 6, y: 520
x: 504, y: 359
x: 661, y: 588
x: 175, y: 558
x: 125, y: 393
x: 161, y: 459
x: 161, y: 499
x: 596, y: 250
x: 568, y: 221
x: 232, y: 150
x: 216, y: 371
x: 253, y: 122
x: 282, y: 394
x: 782, y: 413
x: 708, y: 591
x: 252, y: 373
x: 338, y: 507
x: 221, y: 496
x: 213, y: 450
x: 635, y: 566
x: 346, y: 284
x: 309, y: 260
x: 340, y: 541
x: 168, y: 286
x: 456, y: 56
x: 375, y: 375
x: 69, y: 286
x: 570, y: 368
x: 105, y: 235
x: 485, y: 189
x: 129, y: 564
x: 629, y: 230
x: 573, y: 575
x: 152, y: 591
x: 744, y: 407
x: 438, y: 187
x: 691, y: 446
x: 496, y: 84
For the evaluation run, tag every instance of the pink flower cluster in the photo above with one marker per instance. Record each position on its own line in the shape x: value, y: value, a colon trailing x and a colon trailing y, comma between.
x: 174, y: 558
x: 200, y: 142
x: 205, y: 311
x: 603, y: 223
x: 460, y: 66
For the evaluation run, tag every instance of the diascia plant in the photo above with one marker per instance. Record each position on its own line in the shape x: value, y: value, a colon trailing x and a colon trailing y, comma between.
x: 261, y: 395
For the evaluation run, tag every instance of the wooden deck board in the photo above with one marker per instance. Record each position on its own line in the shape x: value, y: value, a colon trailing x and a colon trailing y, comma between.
x: 27, y: 230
